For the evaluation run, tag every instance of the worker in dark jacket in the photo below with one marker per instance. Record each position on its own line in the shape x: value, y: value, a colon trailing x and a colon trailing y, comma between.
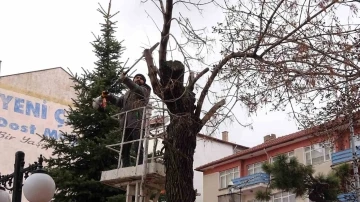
x: 134, y: 100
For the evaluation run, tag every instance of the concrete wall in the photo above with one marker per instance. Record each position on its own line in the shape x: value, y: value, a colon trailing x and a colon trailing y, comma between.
x: 31, y: 104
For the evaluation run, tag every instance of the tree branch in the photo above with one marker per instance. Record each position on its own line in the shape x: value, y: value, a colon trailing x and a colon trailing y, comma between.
x: 162, y: 7
x: 194, y: 80
x: 298, y: 28
x: 153, y: 73
x: 212, y: 111
x: 215, y: 72
x: 165, y: 32
x: 267, y: 25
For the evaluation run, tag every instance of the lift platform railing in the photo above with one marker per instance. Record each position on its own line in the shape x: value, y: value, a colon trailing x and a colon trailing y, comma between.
x: 158, y: 133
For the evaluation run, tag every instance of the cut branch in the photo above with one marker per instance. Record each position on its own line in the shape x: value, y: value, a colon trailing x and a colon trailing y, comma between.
x: 212, y: 111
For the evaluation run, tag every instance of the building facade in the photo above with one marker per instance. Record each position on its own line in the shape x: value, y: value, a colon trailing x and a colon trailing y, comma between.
x: 245, y: 167
x: 209, y: 149
x: 32, y: 104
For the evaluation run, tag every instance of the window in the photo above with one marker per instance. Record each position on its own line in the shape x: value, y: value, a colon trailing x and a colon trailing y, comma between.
x: 283, y: 197
x: 227, y: 175
x: 316, y: 154
x: 255, y: 168
x: 288, y: 154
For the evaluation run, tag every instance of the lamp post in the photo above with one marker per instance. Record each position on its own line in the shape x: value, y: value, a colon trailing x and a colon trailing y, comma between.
x: 38, y: 187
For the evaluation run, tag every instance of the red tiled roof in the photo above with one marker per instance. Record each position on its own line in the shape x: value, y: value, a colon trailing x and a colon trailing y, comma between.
x: 277, y: 141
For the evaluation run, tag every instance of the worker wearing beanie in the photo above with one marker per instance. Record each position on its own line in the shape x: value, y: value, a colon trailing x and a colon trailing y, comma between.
x: 137, y: 96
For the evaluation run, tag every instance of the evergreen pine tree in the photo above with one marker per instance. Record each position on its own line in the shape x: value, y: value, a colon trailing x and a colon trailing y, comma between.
x: 79, y: 157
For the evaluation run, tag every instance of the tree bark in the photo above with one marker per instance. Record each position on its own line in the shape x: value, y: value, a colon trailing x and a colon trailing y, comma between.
x: 180, y: 141
x: 179, y: 159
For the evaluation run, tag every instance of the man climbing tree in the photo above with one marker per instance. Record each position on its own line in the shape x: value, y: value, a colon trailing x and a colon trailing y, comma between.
x: 79, y: 157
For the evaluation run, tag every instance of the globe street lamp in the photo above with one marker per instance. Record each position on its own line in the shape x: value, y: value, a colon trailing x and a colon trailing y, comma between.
x: 39, y: 187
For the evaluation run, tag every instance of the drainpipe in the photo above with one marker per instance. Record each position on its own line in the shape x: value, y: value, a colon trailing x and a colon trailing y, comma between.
x: 267, y: 155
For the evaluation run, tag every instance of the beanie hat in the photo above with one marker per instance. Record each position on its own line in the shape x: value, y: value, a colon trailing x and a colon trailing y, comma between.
x: 142, y: 77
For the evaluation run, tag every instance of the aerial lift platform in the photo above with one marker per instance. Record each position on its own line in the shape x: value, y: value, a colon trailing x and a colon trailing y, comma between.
x: 142, y: 183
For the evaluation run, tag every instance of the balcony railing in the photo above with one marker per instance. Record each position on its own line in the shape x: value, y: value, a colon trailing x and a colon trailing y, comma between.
x: 251, y: 180
x: 343, y: 156
x: 347, y: 197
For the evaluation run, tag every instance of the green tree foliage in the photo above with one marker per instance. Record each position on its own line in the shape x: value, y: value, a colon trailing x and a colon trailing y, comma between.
x: 79, y: 157
x: 289, y: 175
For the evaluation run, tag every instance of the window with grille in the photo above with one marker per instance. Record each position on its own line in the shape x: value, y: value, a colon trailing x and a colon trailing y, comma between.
x: 316, y: 154
x: 227, y: 175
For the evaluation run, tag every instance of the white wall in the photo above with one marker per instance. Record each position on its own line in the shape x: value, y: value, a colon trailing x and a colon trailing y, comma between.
x: 207, y: 151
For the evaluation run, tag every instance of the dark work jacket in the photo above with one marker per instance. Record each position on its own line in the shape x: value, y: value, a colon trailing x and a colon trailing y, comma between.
x: 137, y: 96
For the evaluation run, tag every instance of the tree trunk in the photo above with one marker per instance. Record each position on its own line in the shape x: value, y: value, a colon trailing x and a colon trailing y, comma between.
x: 180, y: 141
x: 179, y: 159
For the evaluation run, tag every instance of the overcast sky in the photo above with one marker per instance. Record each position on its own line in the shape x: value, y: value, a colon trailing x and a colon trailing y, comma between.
x: 43, y: 34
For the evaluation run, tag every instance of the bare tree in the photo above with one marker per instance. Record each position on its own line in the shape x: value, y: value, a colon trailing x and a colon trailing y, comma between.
x: 295, y: 54
x: 304, y: 55
x: 282, y: 52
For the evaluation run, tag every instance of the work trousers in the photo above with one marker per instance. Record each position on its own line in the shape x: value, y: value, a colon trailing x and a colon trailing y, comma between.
x: 130, y: 135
